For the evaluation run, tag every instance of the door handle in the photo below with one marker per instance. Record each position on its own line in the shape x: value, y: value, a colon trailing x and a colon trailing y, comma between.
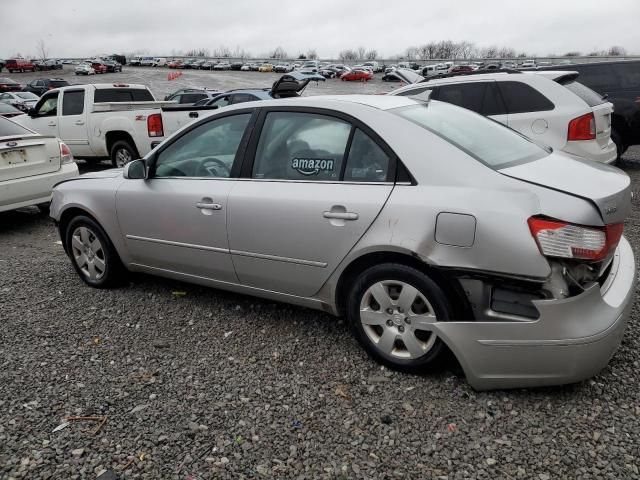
x: 79, y: 122
x: 208, y: 206
x: 52, y: 124
x: 193, y: 114
x: 341, y: 215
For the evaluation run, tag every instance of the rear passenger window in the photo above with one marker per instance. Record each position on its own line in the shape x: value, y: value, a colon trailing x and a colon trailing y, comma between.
x: 122, y: 95
x: 521, y: 98
x: 585, y: 93
x: 191, y: 97
x: 301, y: 146
x: 466, y: 95
x: 366, y: 162
x: 415, y: 92
x: 242, y: 97
x: 493, y: 104
x: 73, y: 102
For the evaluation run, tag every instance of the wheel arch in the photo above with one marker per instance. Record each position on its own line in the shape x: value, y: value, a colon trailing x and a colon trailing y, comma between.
x: 117, y: 135
x: 449, y: 284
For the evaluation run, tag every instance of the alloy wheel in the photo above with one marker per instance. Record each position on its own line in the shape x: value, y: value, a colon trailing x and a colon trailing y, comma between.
x: 398, y: 319
x: 123, y: 156
x: 88, y: 253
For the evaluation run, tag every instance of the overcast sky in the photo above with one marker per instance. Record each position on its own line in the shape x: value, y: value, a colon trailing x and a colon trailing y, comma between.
x: 81, y: 28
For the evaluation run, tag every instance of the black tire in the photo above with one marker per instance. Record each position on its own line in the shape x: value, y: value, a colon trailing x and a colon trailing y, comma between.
x: 425, y: 286
x: 123, y: 147
x: 620, y: 146
x: 113, y: 272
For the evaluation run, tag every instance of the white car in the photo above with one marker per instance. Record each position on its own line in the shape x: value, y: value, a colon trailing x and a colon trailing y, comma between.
x: 98, y: 121
x: 551, y: 108
x: 528, y: 64
x: 159, y: 62
x: 30, y: 165
x: 21, y: 100
x: 85, y: 69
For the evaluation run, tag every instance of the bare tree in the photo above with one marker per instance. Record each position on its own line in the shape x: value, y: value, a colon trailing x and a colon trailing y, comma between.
x: 197, y: 52
x: 361, y: 53
x: 278, y: 53
x: 411, y: 53
x: 312, y: 54
x: 42, y: 49
x: 222, y: 52
x: 617, y: 51
x: 348, y: 54
x: 371, y: 54
x: 569, y: 54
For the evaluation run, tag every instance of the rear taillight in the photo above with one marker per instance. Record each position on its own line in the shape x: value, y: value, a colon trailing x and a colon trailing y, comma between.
x: 582, y: 128
x: 566, y: 240
x: 65, y: 153
x: 154, y: 125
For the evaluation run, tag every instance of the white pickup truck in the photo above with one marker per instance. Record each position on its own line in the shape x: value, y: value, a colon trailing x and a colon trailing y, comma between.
x: 117, y: 121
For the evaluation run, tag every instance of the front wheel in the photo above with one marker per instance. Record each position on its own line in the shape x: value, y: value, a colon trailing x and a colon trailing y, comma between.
x: 122, y: 152
x: 93, y: 256
x: 391, y: 309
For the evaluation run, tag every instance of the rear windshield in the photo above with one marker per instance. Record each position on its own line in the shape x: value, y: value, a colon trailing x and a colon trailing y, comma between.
x: 489, y: 142
x: 10, y: 129
x: 58, y: 83
x: 585, y: 93
x: 11, y: 62
x: 123, y: 95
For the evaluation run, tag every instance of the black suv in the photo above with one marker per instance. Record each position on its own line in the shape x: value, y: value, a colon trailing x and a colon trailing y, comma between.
x: 619, y: 81
x: 113, y: 66
x: 41, y: 85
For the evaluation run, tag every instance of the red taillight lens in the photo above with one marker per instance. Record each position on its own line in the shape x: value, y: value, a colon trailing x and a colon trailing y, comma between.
x: 65, y: 153
x: 566, y: 240
x: 582, y: 128
x: 154, y: 125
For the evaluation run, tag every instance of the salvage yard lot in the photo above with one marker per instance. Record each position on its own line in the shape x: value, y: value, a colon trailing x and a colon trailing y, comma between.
x: 196, y: 381
x: 157, y: 80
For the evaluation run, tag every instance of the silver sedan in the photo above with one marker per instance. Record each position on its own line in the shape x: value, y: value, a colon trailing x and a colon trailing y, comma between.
x: 429, y: 227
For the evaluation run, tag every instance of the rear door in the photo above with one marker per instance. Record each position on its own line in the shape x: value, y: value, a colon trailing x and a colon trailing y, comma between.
x: 481, y: 97
x: 73, y: 122
x: 23, y: 153
x: 530, y: 112
x: 313, y: 185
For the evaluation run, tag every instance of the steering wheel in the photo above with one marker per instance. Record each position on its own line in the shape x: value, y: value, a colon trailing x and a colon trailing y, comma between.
x: 212, y: 167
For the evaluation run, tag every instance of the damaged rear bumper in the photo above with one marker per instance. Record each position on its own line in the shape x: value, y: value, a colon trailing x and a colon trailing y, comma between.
x: 573, y: 339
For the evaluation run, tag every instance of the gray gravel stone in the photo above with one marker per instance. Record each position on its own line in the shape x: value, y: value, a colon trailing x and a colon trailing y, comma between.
x: 261, y: 412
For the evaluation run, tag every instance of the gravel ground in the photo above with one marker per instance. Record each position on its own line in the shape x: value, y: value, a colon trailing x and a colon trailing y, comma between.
x: 198, y: 383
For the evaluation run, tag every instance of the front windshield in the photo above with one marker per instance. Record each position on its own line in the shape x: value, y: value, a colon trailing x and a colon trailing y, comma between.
x: 27, y: 95
x: 488, y: 141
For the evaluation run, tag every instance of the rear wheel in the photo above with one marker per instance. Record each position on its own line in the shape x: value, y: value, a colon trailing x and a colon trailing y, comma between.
x: 92, y: 254
x: 391, y: 309
x: 122, y: 152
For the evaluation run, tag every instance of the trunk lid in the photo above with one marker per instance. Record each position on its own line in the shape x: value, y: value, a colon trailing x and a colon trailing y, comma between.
x: 608, y: 188
x: 405, y: 75
x: 26, y: 157
x: 293, y: 83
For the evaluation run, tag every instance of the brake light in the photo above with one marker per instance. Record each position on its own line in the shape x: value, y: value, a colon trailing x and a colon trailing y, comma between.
x: 65, y: 153
x: 582, y: 128
x: 566, y: 240
x: 154, y: 125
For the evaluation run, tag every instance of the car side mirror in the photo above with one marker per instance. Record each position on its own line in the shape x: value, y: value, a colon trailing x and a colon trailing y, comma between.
x: 135, y: 170
x: 31, y: 112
